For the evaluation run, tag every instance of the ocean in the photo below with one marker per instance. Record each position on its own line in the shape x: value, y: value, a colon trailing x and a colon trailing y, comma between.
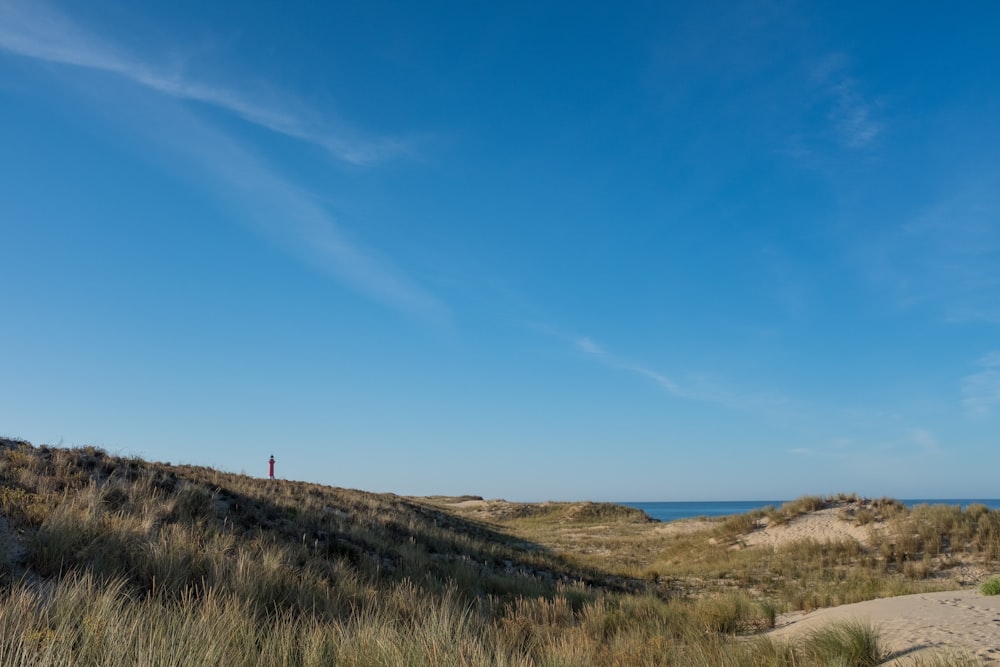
x: 670, y: 511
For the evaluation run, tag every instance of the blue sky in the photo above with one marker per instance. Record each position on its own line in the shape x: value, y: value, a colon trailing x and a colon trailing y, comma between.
x: 663, y: 251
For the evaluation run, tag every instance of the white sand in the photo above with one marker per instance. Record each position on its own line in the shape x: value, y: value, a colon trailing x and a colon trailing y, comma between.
x: 466, y: 504
x: 821, y: 526
x: 914, y: 626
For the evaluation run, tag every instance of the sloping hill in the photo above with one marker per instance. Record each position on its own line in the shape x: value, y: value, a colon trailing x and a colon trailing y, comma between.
x: 107, y: 560
x: 82, y: 509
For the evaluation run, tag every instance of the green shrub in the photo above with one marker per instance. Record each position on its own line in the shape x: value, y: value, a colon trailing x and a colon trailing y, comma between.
x: 991, y: 586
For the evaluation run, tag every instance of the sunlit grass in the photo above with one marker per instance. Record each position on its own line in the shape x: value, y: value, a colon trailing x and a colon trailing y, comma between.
x: 854, y: 644
x: 117, y: 561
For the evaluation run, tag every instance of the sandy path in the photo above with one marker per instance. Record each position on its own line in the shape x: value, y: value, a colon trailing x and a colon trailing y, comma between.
x: 916, y: 625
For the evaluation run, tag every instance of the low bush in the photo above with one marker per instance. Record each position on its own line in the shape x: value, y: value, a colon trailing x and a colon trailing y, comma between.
x: 991, y: 586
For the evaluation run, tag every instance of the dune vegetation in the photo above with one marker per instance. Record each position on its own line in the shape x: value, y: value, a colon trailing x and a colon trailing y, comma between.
x: 107, y: 560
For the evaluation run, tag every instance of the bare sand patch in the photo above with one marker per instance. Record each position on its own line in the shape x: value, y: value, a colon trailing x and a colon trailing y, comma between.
x: 914, y: 626
x: 467, y: 504
x: 684, y: 526
x: 824, y: 525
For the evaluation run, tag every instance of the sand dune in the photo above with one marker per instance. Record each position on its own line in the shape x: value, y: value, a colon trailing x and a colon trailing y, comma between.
x: 914, y: 626
x: 911, y: 626
x: 823, y: 526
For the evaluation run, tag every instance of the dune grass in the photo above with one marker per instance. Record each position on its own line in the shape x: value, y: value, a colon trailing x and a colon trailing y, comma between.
x: 117, y: 561
x: 851, y: 643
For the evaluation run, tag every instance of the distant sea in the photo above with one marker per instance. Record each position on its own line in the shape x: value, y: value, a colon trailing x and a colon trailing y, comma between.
x: 686, y: 510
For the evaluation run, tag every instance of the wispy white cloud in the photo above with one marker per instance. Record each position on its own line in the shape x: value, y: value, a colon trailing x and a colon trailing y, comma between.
x: 696, y: 388
x: 947, y: 256
x: 35, y: 30
x: 991, y: 359
x: 889, y: 441
x: 662, y: 380
x: 259, y: 195
x: 924, y: 439
x: 288, y: 216
x: 981, y: 390
x: 852, y: 115
x: 598, y: 353
x: 589, y: 346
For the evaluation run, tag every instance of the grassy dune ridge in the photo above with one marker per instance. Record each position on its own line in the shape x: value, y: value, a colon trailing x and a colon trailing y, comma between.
x: 118, y: 561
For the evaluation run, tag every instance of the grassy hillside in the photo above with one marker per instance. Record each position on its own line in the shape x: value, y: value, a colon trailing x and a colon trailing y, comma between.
x: 118, y: 561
